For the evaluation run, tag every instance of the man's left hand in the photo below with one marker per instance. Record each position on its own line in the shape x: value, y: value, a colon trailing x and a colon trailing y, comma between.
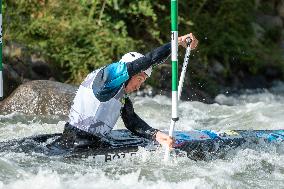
x: 164, y: 139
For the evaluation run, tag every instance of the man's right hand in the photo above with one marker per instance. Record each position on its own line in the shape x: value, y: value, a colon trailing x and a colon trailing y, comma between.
x: 182, y: 41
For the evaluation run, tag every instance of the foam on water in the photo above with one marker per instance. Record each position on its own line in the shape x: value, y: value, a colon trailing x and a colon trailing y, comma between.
x: 246, y: 168
x: 17, y: 126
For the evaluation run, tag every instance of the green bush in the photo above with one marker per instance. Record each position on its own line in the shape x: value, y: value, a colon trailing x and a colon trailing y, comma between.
x: 77, y: 36
x: 80, y: 35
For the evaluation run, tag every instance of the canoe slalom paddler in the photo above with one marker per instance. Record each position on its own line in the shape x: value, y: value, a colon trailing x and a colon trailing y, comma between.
x: 102, y: 98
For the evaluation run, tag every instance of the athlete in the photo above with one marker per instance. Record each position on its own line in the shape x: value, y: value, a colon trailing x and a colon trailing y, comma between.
x: 102, y: 98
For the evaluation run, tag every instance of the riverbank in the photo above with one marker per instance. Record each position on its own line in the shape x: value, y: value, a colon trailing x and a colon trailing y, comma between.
x: 240, y: 43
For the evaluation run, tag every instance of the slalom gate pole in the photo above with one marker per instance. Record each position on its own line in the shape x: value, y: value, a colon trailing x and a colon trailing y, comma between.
x: 1, y: 66
x: 174, y: 49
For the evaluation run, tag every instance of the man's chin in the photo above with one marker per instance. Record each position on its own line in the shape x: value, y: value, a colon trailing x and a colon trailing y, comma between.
x: 129, y: 91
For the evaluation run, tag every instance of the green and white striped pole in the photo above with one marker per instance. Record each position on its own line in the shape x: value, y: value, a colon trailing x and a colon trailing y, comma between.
x: 1, y: 66
x: 174, y: 42
x: 174, y: 48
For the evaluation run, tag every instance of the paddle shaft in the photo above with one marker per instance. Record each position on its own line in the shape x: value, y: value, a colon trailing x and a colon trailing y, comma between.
x: 185, y: 63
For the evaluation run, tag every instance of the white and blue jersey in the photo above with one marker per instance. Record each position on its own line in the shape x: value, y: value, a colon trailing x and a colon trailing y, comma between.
x: 98, y: 101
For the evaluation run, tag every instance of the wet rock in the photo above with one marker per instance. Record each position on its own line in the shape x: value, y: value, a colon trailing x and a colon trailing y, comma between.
x: 20, y: 67
x: 31, y: 70
x: 41, y: 70
x: 28, y: 65
x: 40, y: 97
x: 11, y: 80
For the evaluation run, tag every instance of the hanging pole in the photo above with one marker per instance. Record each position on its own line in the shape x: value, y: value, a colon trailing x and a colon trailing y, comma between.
x: 174, y: 49
x: 174, y: 45
x: 1, y: 66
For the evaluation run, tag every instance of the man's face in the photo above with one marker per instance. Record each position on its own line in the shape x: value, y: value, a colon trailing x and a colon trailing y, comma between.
x: 135, y: 82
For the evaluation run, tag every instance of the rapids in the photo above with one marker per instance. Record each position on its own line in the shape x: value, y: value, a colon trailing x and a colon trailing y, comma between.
x: 246, y: 168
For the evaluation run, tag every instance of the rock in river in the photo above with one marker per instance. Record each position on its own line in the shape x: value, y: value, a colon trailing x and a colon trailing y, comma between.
x: 40, y: 97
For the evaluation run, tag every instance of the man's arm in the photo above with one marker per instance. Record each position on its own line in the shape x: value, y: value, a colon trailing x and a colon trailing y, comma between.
x: 156, y: 56
x: 135, y: 124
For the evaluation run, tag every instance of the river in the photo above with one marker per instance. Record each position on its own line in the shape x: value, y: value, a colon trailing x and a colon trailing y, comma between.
x: 245, y: 168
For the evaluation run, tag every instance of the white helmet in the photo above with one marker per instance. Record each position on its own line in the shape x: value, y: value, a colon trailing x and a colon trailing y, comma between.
x: 131, y: 56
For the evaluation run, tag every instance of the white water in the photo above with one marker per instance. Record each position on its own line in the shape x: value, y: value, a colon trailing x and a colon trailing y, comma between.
x: 245, y: 168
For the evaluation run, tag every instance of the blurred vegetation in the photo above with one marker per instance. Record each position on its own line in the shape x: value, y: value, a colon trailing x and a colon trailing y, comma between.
x: 78, y: 36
